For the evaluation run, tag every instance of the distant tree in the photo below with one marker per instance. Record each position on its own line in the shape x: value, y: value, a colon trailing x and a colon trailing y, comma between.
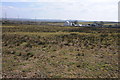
x: 101, y: 23
x: 95, y: 22
x: 110, y: 25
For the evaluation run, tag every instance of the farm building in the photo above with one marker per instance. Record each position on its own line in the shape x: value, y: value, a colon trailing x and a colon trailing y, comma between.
x: 71, y: 23
x: 68, y: 23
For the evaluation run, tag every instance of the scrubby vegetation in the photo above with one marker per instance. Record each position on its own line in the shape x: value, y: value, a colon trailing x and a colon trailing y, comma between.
x: 59, y: 52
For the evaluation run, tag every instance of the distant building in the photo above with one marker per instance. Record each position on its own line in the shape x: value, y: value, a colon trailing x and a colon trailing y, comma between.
x: 72, y: 23
x: 68, y: 23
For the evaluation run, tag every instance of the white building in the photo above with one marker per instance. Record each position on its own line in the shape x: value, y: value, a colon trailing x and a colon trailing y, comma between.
x: 71, y: 23
x: 68, y: 23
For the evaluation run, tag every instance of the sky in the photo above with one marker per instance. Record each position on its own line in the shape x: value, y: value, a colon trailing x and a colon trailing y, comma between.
x: 93, y: 10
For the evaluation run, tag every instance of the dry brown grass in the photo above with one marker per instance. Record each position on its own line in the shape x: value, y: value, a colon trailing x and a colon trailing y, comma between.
x: 60, y: 54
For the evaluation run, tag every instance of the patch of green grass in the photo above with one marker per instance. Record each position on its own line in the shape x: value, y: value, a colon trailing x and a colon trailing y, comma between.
x: 57, y: 76
x: 30, y: 54
x: 18, y: 53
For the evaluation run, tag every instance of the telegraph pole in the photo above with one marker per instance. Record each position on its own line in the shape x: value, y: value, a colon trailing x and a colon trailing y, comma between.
x: 18, y: 17
x: 35, y: 18
x: 5, y: 16
x: 18, y: 20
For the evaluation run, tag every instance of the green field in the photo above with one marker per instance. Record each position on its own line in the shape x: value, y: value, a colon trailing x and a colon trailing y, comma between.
x: 38, y: 51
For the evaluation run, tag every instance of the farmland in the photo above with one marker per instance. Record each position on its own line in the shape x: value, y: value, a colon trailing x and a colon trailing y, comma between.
x: 41, y: 51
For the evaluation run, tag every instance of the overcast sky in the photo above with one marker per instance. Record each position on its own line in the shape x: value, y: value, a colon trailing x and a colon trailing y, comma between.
x: 100, y: 10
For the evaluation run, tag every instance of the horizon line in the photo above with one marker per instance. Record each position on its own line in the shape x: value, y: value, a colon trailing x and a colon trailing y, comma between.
x: 58, y: 19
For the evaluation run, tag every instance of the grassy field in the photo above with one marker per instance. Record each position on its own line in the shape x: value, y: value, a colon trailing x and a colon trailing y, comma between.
x: 59, y: 52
